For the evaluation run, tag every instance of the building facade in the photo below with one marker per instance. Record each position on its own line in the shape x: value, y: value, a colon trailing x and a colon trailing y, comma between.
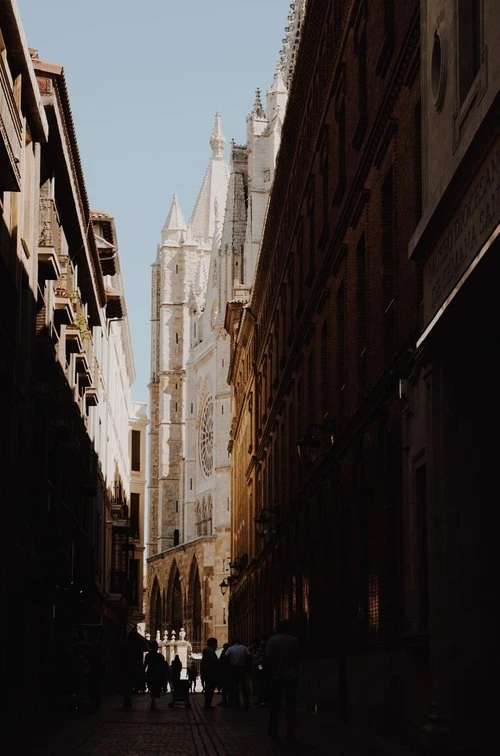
x: 189, y: 516
x: 66, y: 371
x: 200, y: 267
x: 450, y: 442
x: 139, y: 424
x: 317, y: 355
x: 362, y: 437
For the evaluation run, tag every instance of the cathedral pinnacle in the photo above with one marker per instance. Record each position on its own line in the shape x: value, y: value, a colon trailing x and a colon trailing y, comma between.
x: 258, y: 110
x: 217, y: 140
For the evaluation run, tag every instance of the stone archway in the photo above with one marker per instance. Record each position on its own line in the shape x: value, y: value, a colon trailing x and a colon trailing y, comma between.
x: 174, y: 613
x: 155, y: 609
x: 194, y: 612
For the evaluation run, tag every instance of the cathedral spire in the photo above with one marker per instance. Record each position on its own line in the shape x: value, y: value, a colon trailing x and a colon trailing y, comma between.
x: 277, y: 95
x: 217, y: 140
x: 175, y: 220
x: 258, y: 110
x: 175, y: 224
x: 202, y: 222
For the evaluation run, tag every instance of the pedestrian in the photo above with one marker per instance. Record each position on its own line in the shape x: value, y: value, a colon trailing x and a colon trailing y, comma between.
x: 209, y: 669
x: 239, y: 661
x: 263, y: 673
x: 130, y: 658
x: 224, y: 676
x: 192, y: 675
x: 155, y: 672
x: 257, y: 651
x: 176, y: 669
x: 282, y: 658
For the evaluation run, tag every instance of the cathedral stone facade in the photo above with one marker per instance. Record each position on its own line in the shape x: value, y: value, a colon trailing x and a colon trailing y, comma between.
x: 189, y: 475
x: 202, y: 267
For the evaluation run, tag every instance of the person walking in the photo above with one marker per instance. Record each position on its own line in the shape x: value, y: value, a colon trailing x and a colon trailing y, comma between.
x: 239, y: 660
x: 130, y: 659
x: 223, y: 676
x: 209, y: 669
x: 176, y: 669
x: 192, y: 675
x: 155, y: 672
x: 282, y: 658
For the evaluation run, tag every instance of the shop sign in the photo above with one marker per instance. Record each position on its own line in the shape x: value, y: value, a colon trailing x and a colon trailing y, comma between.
x: 476, y: 218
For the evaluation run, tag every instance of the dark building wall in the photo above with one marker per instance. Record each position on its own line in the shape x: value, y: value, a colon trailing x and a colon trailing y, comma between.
x: 337, y: 308
x: 450, y: 442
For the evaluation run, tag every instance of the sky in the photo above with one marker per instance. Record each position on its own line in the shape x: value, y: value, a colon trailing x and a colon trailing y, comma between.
x: 145, y: 80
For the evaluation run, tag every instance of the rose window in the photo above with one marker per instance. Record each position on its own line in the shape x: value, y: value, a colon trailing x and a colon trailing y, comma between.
x: 207, y: 437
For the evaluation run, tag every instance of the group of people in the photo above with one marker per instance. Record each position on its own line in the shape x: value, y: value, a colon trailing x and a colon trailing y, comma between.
x: 268, y: 668
x: 159, y: 674
x: 140, y: 670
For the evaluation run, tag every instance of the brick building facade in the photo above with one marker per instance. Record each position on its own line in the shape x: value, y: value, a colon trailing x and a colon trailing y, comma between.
x: 365, y: 346
x: 318, y: 354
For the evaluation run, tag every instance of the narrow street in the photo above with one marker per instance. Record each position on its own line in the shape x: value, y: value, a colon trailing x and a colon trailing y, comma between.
x: 223, y: 731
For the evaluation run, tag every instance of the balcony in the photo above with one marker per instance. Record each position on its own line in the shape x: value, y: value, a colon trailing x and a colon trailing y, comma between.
x: 119, y: 512
x: 63, y: 308
x: 11, y: 128
x: 83, y: 370
x: 72, y: 339
x: 114, y: 304
x: 49, y: 267
x: 91, y: 396
x: 92, y: 391
x: 121, y: 586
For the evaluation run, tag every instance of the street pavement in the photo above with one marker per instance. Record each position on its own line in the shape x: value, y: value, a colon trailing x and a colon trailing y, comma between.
x: 194, y: 731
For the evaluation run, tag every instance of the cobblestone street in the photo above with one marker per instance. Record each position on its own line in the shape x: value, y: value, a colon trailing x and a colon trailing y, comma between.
x: 222, y: 731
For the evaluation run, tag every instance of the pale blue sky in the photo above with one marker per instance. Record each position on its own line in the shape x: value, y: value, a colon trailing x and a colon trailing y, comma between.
x: 145, y: 80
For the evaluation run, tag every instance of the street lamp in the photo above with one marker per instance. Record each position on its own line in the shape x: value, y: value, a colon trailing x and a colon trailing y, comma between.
x: 224, y: 586
x: 236, y: 567
x: 262, y: 523
x: 263, y: 520
x: 309, y: 444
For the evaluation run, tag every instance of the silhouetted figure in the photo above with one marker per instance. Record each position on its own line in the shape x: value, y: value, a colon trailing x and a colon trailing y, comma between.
x: 130, y: 660
x: 156, y: 672
x: 192, y: 675
x: 175, y: 670
x: 239, y: 660
x: 224, y: 676
x: 209, y: 671
x: 282, y: 658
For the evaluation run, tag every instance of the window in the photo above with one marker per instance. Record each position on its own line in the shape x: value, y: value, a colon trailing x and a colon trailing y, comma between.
x: 340, y: 115
x: 341, y: 351
x: 468, y: 45
x: 417, y: 123
x: 422, y: 550
x: 361, y: 293
x: 134, y: 515
x: 388, y: 265
x: 206, y: 437
x: 325, y: 155
x: 311, y: 207
x: 136, y: 451
x: 361, y: 53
